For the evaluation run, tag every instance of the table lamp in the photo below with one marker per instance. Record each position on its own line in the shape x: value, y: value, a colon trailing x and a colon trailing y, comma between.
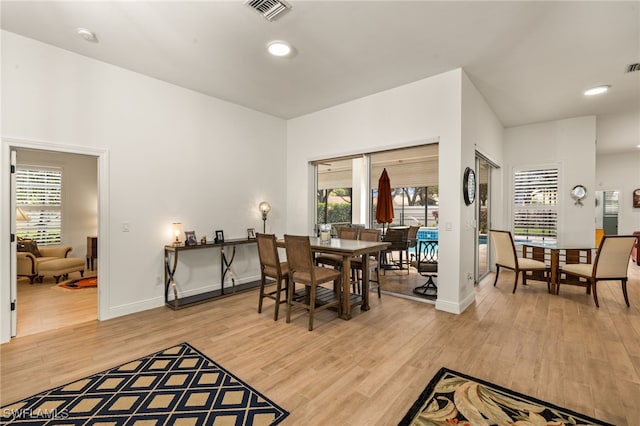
x: 176, y: 231
x: 264, y: 208
x: 21, y: 216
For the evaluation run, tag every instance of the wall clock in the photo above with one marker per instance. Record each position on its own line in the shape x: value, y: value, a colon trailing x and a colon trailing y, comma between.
x: 469, y: 186
x: 578, y: 193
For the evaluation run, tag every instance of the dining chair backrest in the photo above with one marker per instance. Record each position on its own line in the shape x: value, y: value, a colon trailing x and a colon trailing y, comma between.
x: 427, y: 256
x: 268, y: 253
x: 299, y: 256
x: 397, y: 238
x: 505, y: 249
x: 412, y: 235
x: 370, y: 234
x: 346, y: 233
x: 612, y: 259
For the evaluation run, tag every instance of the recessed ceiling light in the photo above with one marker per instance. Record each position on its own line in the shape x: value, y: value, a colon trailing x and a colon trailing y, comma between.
x: 596, y: 90
x: 280, y: 48
x: 87, y: 35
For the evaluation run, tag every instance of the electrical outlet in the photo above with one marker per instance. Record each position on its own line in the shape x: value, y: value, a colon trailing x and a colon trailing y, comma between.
x: 125, y: 227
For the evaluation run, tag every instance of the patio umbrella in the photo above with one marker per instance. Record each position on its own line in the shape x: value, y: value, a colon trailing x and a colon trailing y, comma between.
x: 384, y: 208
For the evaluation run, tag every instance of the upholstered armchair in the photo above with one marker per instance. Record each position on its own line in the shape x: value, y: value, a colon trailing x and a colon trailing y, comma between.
x: 29, y: 265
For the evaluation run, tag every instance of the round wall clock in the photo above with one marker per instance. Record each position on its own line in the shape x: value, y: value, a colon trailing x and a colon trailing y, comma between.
x: 578, y: 193
x: 469, y: 186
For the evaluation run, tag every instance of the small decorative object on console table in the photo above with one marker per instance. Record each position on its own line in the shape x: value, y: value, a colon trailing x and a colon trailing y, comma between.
x: 203, y: 240
x: 190, y: 238
x: 636, y: 198
x: 219, y: 237
x: 251, y: 233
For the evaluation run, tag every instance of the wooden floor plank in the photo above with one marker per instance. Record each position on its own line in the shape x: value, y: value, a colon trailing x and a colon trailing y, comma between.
x: 369, y: 370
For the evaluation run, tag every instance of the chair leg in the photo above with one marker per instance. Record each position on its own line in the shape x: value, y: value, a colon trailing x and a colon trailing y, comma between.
x: 277, y: 307
x: 292, y: 287
x: 548, y: 274
x: 515, y: 283
x: 262, y: 284
x: 595, y: 292
x: 497, y: 273
x: 624, y: 292
x: 312, y: 305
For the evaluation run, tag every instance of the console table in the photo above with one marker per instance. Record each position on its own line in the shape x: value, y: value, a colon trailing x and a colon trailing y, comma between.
x: 226, y: 259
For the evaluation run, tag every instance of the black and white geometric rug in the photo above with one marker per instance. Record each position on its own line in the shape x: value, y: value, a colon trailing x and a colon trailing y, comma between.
x: 175, y: 386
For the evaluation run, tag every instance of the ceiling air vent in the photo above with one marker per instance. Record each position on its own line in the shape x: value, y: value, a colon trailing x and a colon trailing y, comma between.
x: 269, y: 9
x: 633, y: 67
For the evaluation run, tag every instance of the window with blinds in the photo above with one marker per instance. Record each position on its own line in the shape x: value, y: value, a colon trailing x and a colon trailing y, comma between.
x: 39, y: 195
x: 535, y: 210
x: 610, y: 203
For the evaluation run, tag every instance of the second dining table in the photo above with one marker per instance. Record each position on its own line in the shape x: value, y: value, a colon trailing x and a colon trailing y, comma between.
x: 348, y: 249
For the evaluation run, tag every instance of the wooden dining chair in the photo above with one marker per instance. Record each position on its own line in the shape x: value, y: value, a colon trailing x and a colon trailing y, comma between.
x: 611, y: 264
x: 302, y: 270
x: 271, y: 267
x: 506, y: 257
x: 374, y: 262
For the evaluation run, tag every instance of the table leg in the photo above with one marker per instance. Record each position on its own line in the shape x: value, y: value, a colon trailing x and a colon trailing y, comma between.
x: 365, y: 282
x: 226, y: 268
x: 346, y: 287
x: 169, y: 273
x: 555, y: 271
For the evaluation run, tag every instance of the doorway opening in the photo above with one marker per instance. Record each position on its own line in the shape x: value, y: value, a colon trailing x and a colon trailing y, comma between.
x: 98, y: 160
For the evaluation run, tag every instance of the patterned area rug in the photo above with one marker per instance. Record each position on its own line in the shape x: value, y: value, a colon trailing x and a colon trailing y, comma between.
x: 455, y: 398
x: 176, y: 386
x: 89, y: 282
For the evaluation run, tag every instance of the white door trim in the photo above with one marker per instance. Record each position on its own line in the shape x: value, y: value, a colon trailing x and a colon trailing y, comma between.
x: 9, y: 143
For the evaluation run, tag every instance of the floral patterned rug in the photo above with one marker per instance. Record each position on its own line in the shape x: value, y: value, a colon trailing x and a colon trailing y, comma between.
x: 455, y: 398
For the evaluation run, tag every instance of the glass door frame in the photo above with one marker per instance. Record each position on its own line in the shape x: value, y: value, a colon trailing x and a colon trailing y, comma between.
x: 482, y: 162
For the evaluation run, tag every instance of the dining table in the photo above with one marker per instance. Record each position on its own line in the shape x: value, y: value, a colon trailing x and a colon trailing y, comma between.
x: 556, y: 255
x: 347, y: 249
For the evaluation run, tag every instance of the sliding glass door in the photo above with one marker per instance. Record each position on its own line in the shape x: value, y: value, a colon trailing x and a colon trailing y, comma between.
x: 482, y: 217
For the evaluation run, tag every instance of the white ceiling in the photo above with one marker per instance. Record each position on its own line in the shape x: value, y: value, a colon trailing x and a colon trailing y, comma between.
x: 530, y: 60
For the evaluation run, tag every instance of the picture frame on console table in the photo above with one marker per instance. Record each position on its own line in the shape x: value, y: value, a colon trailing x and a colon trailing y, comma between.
x: 190, y: 238
x: 251, y: 233
x: 219, y: 237
x: 636, y: 198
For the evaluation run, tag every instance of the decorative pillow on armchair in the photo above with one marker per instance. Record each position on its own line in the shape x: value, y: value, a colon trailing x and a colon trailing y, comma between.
x: 29, y: 246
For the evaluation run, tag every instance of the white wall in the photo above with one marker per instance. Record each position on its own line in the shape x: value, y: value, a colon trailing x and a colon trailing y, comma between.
x: 569, y: 144
x: 79, y: 194
x: 174, y: 155
x: 423, y: 111
x: 621, y: 172
x: 482, y: 132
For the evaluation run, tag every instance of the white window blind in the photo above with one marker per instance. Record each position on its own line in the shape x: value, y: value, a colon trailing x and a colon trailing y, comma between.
x: 535, y: 211
x: 611, y: 203
x: 39, y: 195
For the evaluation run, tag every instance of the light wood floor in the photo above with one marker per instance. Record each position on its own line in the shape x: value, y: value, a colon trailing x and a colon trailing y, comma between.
x: 46, y: 306
x: 368, y: 371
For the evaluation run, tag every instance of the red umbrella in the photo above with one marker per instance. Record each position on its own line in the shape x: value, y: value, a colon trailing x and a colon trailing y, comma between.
x: 384, y: 208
